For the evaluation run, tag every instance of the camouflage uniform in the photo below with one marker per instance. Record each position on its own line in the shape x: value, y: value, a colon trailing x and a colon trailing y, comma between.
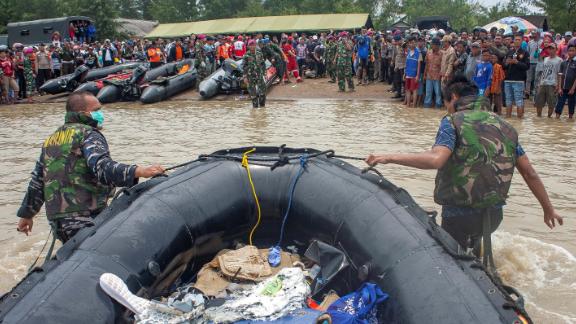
x: 479, y: 172
x: 200, y: 61
x: 271, y: 52
x: 74, y: 176
x: 344, y: 65
x: 254, y: 68
x: 29, y: 76
x: 330, y: 66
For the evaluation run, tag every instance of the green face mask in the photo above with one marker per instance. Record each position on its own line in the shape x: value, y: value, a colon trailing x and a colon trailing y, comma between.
x: 98, y: 116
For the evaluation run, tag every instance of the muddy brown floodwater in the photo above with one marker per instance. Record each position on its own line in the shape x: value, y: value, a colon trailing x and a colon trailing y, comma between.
x: 538, y: 261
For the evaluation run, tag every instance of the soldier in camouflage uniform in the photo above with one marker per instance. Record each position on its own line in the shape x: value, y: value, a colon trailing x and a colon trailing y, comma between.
x: 330, y: 55
x: 273, y: 53
x: 200, y: 59
x: 29, y: 74
x: 343, y: 61
x: 75, y: 175
x: 254, y: 68
x: 475, y: 153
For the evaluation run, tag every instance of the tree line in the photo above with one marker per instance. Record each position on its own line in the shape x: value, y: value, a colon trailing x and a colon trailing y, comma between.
x: 462, y: 13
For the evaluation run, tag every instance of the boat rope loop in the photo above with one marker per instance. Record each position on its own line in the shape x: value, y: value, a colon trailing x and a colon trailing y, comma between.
x: 303, y: 161
x: 246, y: 165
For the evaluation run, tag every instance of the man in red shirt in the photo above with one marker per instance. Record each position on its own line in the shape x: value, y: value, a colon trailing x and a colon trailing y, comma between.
x: 7, y: 67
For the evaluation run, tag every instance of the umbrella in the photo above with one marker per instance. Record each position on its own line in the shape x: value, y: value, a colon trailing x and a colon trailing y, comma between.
x: 508, y: 22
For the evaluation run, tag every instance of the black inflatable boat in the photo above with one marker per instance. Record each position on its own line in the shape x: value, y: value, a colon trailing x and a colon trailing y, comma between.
x: 69, y: 82
x: 131, y: 89
x: 163, y: 89
x: 161, y: 231
x: 228, y: 79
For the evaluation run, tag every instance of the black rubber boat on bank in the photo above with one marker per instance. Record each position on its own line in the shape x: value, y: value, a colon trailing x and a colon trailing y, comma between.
x: 228, y: 79
x: 165, y: 88
x: 69, y: 82
x: 163, y: 230
x: 131, y: 89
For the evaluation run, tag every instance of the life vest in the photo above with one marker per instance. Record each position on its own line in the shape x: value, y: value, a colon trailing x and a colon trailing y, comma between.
x: 154, y: 54
x: 70, y: 188
x: 479, y: 172
x: 179, y: 53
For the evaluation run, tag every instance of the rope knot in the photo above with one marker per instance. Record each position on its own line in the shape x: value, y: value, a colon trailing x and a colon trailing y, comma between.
x: 245, y: 157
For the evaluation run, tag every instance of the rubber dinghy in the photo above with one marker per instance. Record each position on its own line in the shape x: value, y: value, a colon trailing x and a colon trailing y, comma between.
x: 228, y: 79
x: 160, y: 232
x: 69, y: 82
x: 164, y: 88
x: 131, y: 89
x: 95, y: 86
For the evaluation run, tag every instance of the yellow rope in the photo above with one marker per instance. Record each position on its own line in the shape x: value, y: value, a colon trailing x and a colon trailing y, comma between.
x: 247, y: 166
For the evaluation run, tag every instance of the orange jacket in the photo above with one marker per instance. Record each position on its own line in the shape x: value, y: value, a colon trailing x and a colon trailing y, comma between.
x: 154, y: 54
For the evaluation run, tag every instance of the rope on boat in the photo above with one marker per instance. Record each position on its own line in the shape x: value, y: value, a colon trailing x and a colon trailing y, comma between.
x: 303, y: 161
x: 247, y: 166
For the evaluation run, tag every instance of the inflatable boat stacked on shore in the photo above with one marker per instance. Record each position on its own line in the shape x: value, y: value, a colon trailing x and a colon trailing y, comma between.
x: 163, y: 230
x: 70, y: 82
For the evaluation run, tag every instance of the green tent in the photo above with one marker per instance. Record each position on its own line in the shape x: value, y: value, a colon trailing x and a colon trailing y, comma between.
x: 272, y: 24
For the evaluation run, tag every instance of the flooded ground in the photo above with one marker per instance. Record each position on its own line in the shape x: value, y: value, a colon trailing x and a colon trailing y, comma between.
x: 536, y: 260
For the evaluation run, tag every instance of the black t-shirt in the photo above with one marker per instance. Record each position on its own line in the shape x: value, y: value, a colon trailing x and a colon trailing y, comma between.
x: 568, y: 69
x: 517, y: 72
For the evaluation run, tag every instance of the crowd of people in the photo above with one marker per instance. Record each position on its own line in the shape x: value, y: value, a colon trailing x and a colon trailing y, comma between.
x: 507, y: 67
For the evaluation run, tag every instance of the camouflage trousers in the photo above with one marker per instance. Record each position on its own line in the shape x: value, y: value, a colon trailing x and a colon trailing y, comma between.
x: 344, y: 73
x: 66, y: 228
x: 331, y: 69
x: 202, y: 74
x: 30, y: 81
x: 256, y: 86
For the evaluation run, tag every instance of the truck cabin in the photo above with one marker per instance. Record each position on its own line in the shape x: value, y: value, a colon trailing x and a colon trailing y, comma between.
x: 41, y: 31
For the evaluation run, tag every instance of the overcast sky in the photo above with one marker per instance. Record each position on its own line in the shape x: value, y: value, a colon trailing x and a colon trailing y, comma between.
x: 489, y: 3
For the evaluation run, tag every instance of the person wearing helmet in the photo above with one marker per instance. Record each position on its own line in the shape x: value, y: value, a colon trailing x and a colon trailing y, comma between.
x: 343, y: 61
x: 254, y: 68
x: 8, y: 82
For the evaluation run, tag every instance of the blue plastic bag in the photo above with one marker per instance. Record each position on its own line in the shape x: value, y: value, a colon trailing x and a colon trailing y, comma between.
x: 358, y: 307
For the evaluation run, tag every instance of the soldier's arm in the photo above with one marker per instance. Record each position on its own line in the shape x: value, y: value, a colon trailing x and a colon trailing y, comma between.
x: 34, y: 198
x: 537, y: 187
x: 108, y: 171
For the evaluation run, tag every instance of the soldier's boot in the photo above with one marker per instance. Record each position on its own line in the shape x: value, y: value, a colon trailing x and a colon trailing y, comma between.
x: 262, y: 101
x: 255, y: 102
x: 350, y: 84
x: 341, y: 85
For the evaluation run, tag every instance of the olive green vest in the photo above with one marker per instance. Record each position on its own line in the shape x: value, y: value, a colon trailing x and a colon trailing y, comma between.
x: 70, y: 188
x: 479, y: 172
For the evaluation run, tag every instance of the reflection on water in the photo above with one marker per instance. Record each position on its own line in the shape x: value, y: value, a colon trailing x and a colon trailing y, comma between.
x: 538, y: 261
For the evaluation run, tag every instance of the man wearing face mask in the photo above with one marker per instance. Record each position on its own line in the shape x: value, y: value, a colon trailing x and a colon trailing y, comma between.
x: 475, y: 154
x: 75, y: 174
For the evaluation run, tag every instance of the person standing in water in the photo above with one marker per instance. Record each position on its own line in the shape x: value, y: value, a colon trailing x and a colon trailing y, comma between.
x: 75, y: 174
x: 254, y: 72
x: 475, y: 153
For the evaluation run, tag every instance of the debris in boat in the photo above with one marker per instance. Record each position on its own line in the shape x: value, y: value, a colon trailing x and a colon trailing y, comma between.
x: 214, y: 282
x: 330, y: 261
x: 358, y: 307
x: 269, y: 300
x: 258, y: 293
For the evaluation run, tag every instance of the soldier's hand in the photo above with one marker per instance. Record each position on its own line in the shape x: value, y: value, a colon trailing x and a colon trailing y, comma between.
x: 372, y: 160
x: 148, y: 172
x: 25, y: 225
x: 551, y: 217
